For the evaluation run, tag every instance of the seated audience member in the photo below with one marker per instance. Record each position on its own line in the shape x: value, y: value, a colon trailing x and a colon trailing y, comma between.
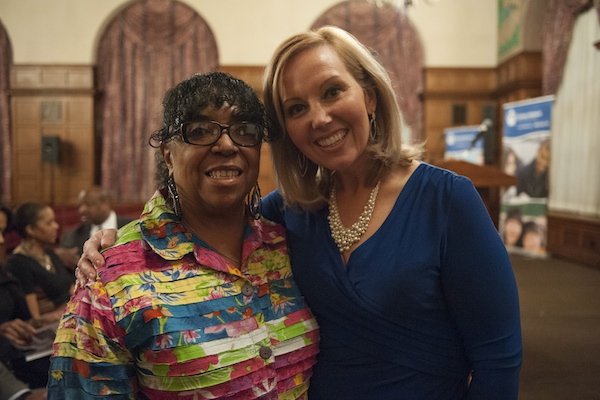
x: 95, y: 211
x: 14, y: 389
x: 17, y: 333
x: 34, y: 263
x: 17, y: 328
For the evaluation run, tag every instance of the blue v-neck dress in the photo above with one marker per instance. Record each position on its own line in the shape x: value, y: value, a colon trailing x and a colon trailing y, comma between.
x: 426, y: 308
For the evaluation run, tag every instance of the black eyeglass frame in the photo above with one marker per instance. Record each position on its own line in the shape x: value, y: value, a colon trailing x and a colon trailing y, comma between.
x: 222, y: 127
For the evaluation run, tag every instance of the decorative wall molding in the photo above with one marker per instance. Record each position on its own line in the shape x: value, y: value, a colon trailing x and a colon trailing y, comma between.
x: 574, y: 237
x: 52, y: 77
x: 522, y: 72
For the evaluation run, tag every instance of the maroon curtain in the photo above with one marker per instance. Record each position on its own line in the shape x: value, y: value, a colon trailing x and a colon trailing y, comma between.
x: 388, y: 32
x: 557, y: 32
x: 146, y: 49
x: 5, y: 159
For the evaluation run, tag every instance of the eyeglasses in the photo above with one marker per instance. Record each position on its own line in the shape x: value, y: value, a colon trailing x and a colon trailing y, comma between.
x: 206, y: 133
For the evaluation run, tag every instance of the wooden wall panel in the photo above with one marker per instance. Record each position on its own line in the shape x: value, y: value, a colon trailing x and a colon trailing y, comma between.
x: 447, y: 87
x: 52, y: 101
x: 574, y: 237
x: 266, y: 179
x: 520, y: 78
x: 454, y: 81
x: 252, y: 75
x: 54, y: 77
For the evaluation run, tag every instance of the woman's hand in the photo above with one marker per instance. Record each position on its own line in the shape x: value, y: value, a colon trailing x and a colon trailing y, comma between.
x: 17, y: 331
x: 91, y: 257
x: 48, y: 318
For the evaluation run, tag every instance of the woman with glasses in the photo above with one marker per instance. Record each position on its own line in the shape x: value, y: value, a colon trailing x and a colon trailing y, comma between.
x: 196, y: 299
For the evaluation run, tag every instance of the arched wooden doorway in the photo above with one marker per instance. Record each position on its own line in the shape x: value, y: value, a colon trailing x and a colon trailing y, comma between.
x: 147, y: 48
x: 389, y: 33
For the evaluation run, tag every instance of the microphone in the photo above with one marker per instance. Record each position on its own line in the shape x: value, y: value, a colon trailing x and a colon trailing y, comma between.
x: 485, y: 126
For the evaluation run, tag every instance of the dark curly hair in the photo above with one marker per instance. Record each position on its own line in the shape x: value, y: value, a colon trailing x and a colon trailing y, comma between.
x: 27, y: 214
x: 186, y: 100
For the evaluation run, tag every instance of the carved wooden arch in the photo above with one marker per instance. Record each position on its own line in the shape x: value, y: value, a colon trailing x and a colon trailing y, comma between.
x: 147, y: 48
x: 388, y: 32
x: 5, y: 159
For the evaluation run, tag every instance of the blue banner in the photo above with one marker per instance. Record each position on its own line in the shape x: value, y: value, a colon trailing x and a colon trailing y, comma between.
x: 529, y: 117
x: 526, y: 155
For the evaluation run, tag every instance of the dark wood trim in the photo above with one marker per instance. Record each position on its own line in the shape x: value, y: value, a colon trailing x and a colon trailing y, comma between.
x: 515, y: 86
x: 63, y: 77
x: 574, y: 237
x: 51, y: 92
x: 459, y: 96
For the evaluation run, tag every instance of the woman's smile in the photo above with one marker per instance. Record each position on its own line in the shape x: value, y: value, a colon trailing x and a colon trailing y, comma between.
x: 224, y: 174
x: 331, y: 140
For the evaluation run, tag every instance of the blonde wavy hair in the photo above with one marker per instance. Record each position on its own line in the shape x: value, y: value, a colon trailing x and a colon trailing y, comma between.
x: 311, y: 191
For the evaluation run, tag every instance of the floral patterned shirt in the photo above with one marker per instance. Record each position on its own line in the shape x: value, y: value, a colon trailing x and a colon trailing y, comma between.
x: 170, y: 318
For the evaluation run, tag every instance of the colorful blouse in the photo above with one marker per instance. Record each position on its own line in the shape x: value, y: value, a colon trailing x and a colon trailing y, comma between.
x: 170, y: 318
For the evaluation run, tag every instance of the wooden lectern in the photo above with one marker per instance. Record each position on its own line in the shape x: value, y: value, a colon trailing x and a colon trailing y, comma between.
x: 487, y: 179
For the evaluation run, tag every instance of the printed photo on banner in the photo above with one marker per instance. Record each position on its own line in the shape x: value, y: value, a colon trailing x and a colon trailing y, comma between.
x: 526, y: 155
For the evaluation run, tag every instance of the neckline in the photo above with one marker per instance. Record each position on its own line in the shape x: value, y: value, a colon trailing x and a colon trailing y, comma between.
x: 44, y: 262
x: 399, y: 199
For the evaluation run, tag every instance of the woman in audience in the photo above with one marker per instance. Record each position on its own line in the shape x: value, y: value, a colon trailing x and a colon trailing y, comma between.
x: 196, y: 300
x: 17, y: 330
x: 42, y: 274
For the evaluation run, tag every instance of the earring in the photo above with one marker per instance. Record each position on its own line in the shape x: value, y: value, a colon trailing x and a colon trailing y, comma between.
x: 373, y: 127
x: 254, y: 202
x: 303, y: 163
x: 174, y: 196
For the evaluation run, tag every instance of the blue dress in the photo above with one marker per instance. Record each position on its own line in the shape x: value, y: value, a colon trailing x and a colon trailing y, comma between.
x: 426, y: 308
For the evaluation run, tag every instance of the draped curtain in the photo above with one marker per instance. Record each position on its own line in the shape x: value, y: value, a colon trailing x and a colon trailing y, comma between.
x: 5, y: 147
x: 575, y: 173
x: 556, y: 33
x: 390, y: 35
x: 146, y: 49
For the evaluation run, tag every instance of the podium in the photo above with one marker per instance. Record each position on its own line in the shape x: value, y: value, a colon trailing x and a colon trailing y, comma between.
x: 487, y: 179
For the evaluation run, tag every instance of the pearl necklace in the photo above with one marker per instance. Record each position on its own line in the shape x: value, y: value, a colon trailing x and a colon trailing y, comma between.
x: 346, y: 237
